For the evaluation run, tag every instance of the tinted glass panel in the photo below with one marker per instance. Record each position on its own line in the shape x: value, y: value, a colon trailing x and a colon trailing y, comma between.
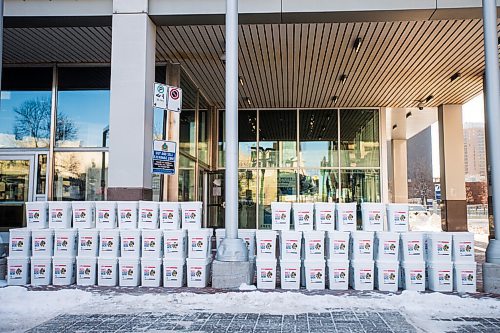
x: 278, y: 135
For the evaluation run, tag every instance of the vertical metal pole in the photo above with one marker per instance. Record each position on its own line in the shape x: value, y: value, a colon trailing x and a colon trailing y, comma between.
x: 492, y: 103
x: 1, y: 41
x: 52, y: 136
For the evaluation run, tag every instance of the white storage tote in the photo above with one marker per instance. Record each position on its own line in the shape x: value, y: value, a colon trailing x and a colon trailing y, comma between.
x: 338, y: 274
x: 130, y: 243
x: 170, y: 215
x: 362, y: 245
x: 465, y: 277
x: 438, y: 246
x: 107, y: 270
x: 148, y: 214
x: 174, y: 244
x: 337, y: 245
x: 463, y: 247
x: 387, y: 275
x: 198, y: 272
x: 200, y: 243
x: 266, y: 244
x: 303, y: 216
x: 60, y: 214
x: 290, y: 273
x: 290, y: 244
x: 86, y: 271
x: 413, y: 275
x: 152, y: 243
x: 191, y: 215
x: 266, y: 273
x: 346, y: 216
x: 281, y: 215
x: 109, y: 243
x: 88, y: 242
x: 314, y: 274
x: 440, y: 276
x: 83, y: 214
x: 372, y: 216
x: 65, y: 242
x: 324, y: 216
x: 37, y: 214
x: 314, y: 245
x: 386, y: 246
x: 151, y: 272
x: 127, y: 212
x: 63, y: 271
x: 18, y: 271
x: 174, y: 272
x: 129, y: 270
x: 362, y: 274
x: 41, y: 271
x: 42, y: 242
x: 397, y: 217
x: 248, y: 235
x: 412, y: 246
x: 20, y: 243
x: 105, y: 214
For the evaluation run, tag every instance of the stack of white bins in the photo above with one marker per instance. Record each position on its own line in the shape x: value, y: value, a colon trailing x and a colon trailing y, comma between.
x: 87, y: 242
x: 129, y: 262
x: 63, y: 247
x: 151, y: 244
x: 438, y: 249
x: 412, y: 261
x: 337, y: 259
x: 313, y: 250
x: 361, y: 273
x: 290, y: 245
x: 266, y: 259
x: 387, y: 261
x: 464, y: 264
x: 109, y: 243
x: 174, y: 245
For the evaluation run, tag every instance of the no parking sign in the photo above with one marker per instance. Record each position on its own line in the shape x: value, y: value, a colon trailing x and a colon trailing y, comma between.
x: 174, y: 99
x: 167, y: 97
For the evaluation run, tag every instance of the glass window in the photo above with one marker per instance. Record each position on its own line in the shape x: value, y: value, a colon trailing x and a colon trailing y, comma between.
x: 318, y: 138
x: 187, y: 134
x: 247, y: 198
x: 360, y: 185
x: 318, y: 185
x: 203, y: 134
x: 25, y: 113
x: 83, y: 107
x: 221, y: 145
x: 186, y: 179
x: 80, y: 176
x: 359, y: 138
x: 277, y: 138
x: 41, y: 174
x: 247, y: 138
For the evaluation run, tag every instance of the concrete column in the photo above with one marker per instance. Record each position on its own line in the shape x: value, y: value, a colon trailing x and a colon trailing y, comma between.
x: 131, y: 111
x: 451, y: 145
x: 399, y: 171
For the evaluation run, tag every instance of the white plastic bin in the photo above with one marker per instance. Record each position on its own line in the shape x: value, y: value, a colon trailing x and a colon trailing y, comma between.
x: 37, y: 214
x: 174, y: 272
x: 148, y: 214
x: 338, y: 274
x: 105, y: 214
x: 372, y: 216
x: 303, y: 216
x: 60, y: 214
x: 290, y: 273
x: 83, y: 214
x: 151, y: 272
x: 413, y: 275
x: 88, y: 242
x: 42, y: 242
x: 200, y: 243
x: 290, y: 244
x: 107, y: 270
x: 248, y: 235
x: 346, y: 216
x: 386, y: 246
x: 65, y: 241
x: 314, y: 274
x: 387, y: 275
x: 324, y: 216
x: 362, y: 274
x: 130, y: 243
x: 18, y: 271
x: 440, y: 276
x: 465, y: 277
x: 170, y: 215
x: 463, y: 247
x: 266, y: 273
x: 412, y: 246
x: 397, y: 217
x: 337, y: 245
x: 362, y: 245
x: 63, y: 271
x: 109, y: 243
x: 266, y: 244
x: 129, y: 270
x: 20, y: 243
x: 438, y: 246
x: 127, y: 212
x: 198, y: 272
x: 41, y: 271
x: 314, y: 245
x: 152, y: 243
x: 86, y: 271
x: 174, y: 244
x: 191, y: 215
x: 281, y: 215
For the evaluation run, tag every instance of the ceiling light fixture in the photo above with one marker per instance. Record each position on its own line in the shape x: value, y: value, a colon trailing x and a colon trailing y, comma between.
x: 408, y: 115
x: 343, y: 78
x: 247, y: 99
x: 428, y: 99
x: 240, y: 79
x: 394, y: 127
x: 334, y: 99
x: 455, y: 76
x: 223, y: 57
x: 357, y: 44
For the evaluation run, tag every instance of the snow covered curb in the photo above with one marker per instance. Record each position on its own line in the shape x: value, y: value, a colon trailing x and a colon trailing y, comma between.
x: 21, y: 309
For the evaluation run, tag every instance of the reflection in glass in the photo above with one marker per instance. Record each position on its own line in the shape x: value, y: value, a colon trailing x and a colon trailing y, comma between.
x: 187, y: 134
x: 247, y: 197
x: 186, y: 185
x: 221, y: 144
x: 278, y: 135
x: 14, y: 180
x: 80, y: 176
x: 359, y: 138
x: 318, y: 138
x: 203, y: 130
x: 247, y: 138
x: 360, y: 185
x: 275, y: 185
x: 318, y: 185
x: 42, y: 174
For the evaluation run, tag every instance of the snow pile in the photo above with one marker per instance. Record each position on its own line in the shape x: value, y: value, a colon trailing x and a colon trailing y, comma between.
x: 246, y: 287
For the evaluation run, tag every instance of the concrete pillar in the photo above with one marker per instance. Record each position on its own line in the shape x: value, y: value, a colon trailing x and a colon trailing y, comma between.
x: 451, y: 145
x: 399, y: 171
x: 131, y: 111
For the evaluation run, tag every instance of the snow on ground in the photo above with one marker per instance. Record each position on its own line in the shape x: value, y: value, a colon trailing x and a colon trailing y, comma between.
x: 22, y: 309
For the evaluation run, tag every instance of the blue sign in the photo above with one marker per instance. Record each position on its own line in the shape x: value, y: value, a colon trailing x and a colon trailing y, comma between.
x: 164, y: 155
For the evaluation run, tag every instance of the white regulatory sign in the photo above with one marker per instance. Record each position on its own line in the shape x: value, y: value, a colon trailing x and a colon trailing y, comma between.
x: 174, y: 99
x: 160, y: 96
